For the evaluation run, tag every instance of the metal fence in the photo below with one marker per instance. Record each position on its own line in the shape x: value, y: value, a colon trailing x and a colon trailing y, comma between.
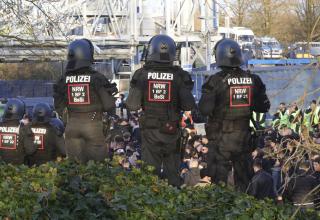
x: 284, y: 84
x: 26, y: 88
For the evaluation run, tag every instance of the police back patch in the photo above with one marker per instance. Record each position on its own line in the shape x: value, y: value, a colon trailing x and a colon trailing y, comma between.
x: 39, y: 141
x: 8, y: 141
x: 39, y: 134
x: 78, y: 94
x: 159, y: 91
x: 8, y: 138
x: 159, y: 86
x: 240, y: 96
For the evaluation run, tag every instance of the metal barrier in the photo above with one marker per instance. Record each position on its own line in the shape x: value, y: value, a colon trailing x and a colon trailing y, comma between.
x: 26, y: 88
x: 284, y: 84
x: 284, y: 62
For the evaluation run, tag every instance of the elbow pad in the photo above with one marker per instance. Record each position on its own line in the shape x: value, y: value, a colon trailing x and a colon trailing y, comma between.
x: 107, y: 100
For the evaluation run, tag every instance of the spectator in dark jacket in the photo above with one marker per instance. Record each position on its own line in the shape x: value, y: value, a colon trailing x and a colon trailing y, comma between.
x: 300, y: 187
x: 316, y: 174
x: 192, y: 175
x: 261, y: 185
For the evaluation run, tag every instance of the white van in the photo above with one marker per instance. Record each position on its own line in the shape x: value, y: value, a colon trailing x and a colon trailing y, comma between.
x: 243, y: 35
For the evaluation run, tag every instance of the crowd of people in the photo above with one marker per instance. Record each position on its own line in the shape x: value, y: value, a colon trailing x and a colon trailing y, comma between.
x: 284, y: 164
x: 287, y: 153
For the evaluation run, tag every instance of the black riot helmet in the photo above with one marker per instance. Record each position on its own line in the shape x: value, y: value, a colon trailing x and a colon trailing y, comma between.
x: 228, y: 53
x: 14, y: 110
x: 80, y: 54
x: 41, y: 113
x: 161, y: 49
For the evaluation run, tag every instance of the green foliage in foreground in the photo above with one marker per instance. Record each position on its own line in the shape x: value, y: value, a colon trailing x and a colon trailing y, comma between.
x: 66, y: 190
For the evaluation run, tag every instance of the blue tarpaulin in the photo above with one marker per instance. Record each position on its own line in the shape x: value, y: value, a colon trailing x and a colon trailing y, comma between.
x: 284, y: 84
x: 284, y: 62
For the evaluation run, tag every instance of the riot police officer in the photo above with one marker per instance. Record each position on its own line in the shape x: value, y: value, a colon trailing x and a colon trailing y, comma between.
x: 86, y: 94
x: 162, y: 90
x: 16, y: 139
x: 228, y: 98
x: 48, y: 135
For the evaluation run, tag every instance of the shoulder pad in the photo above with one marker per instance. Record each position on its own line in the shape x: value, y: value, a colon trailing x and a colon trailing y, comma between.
x: 136, y: 76
x: 255, y: 76
x: 102, y: 82
x: 99, y: 79
x: 186, y: 77
x: 257, y: 80
x: 208, y: 84
x: 187, y: 80
x: 177, y: 68
x: 57, y: 125
x: 137, y: 73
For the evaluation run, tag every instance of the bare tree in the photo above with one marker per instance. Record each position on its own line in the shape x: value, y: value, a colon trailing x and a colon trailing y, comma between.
x: 308, y: 13
x: 240, y: 10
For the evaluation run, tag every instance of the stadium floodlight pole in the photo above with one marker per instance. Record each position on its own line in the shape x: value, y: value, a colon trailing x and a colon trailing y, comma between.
x: 208, y: 37
x: 227, y: 19
x: 215, y: 12
x: 168, y: 12
x: 134, y: 34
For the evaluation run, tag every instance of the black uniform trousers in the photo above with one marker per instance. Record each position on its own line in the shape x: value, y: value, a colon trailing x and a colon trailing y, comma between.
x: 229, y: 147
x: 160, y: 150
x: 84, y: 137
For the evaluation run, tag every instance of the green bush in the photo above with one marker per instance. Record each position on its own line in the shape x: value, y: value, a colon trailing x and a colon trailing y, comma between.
x: 67, y: 190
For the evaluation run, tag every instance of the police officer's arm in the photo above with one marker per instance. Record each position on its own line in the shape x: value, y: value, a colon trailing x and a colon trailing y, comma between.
x: 106, y: 91
x: 134, y: 100
x: 207, y: 100
x: 59, y: 96
x: 26, y: 140
x: 261, y: 101
x: 56, y: 134
x: 187, y: 101
x: 60, y: 145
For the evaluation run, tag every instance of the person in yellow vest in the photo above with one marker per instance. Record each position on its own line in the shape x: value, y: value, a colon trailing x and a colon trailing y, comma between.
x: 280, y: 117
x: 315, y: 117
x: 259, y: 120
x: 308, y: 113
x: 295, y: 117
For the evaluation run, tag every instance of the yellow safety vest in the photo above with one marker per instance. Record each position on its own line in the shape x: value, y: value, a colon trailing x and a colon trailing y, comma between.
x: 315, y: 116
x: 259, y: 119
x: 295, y: 125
